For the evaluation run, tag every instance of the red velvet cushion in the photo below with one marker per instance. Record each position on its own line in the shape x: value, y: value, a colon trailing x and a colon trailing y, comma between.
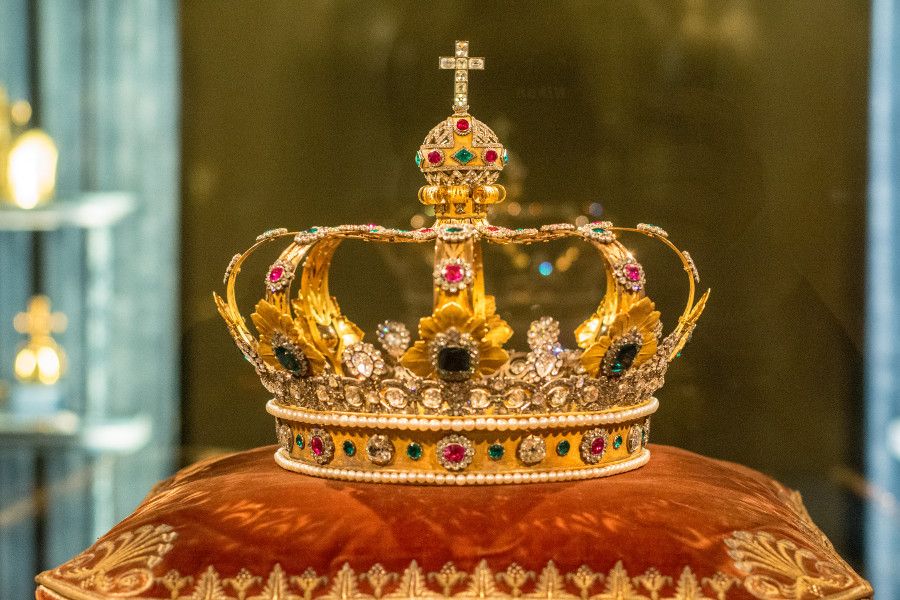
x: 682, y: 527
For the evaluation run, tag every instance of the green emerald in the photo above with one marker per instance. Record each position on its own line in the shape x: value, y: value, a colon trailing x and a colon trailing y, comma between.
x: 313, y: 229
x: 598, y: 230
x: 463, y: 156
x: 495, y: 451
x: 414, y: 451
x: 454, y: 229
x: 299, y: 441
x: 349, y: 448
x: 617, y: 442
x: 418, y: 159
x: 563, y: 447
x: 505, y: 157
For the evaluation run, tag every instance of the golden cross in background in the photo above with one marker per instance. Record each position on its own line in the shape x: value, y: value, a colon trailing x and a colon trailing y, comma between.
x: 461, y: 63
x: 38, y: 322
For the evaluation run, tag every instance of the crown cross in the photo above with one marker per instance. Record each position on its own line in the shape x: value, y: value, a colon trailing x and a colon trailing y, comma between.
x: 461, y: 63
x: 38, y: 321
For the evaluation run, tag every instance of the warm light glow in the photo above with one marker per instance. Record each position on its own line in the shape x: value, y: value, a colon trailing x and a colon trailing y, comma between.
x: 40, y: 359
x: 31, y: 169
x: 26, y: 363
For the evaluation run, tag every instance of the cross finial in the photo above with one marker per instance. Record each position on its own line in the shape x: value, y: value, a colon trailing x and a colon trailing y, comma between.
x: 38, y: 321
x: 461, y: 62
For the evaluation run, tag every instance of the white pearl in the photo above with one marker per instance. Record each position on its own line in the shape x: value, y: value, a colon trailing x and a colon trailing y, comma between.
x: 479, y: 478
x: 517, y: 478
x: 469, y: 424
x: 490, y: 424
x: 430, y: 477
x: 439, y: 478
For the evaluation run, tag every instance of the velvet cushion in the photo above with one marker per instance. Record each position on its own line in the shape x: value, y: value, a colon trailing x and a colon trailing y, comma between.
x: 683, y: 527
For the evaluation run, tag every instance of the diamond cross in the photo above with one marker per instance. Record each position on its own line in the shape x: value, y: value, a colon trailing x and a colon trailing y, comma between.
x: 461, y: 63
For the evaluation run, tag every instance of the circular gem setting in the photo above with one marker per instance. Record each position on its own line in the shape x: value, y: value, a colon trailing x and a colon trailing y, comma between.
x: 321, y: 446
x: 563, y: 447
x: 394, y: 337
x: 290, y: 356
x: 490, y: 156
x: 455, y: 452
x: 380, y: 449
x: 593, y: 445
x: 453, y: 275
x: 363, y: 360
x: 298, y: 441
x: 435, y: 157
x: 532, y: 450
x: 463, y: 127
x: 278, y: 276
x: 630, y: 275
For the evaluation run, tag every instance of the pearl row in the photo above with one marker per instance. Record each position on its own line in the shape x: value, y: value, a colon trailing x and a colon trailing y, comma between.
x: 432, y: 478
x: 461, y: 423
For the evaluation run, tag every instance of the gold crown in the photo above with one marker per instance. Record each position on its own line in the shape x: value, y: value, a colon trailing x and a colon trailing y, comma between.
x: 455, y: 406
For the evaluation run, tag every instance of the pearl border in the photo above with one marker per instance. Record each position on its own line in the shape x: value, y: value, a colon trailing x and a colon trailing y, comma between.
x: 482, y: 423
x: 471, y: 478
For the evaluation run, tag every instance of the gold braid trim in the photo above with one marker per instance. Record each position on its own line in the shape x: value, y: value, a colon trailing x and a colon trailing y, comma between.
x: 775, y: 569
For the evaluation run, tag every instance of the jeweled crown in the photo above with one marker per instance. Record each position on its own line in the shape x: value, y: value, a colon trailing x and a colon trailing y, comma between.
x: 455, y: 405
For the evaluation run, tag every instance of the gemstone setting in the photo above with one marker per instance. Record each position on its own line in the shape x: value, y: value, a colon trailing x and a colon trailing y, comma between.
x: 463, y: 156
x: 453, y: 275
x: 363, y: 361
x: 455, y: 452
x: 532, y: 450
x: 634, y: 439
x: 593, y: 445
x: 454, y: 355
x: 630, y: 275
x: 490, y: 156
x: 380, y: 449
x: 349, y: 448
x: 563, y: 447
x: 435, y: 157
x: 321, y: 446
x: 496, y: 451
x: 278, y: 276
x: 394, y: 337
x: 621, y: 354
x: 414, y: 451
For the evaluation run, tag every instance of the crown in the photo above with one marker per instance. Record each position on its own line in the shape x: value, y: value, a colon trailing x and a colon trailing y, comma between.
x: 455, y: 405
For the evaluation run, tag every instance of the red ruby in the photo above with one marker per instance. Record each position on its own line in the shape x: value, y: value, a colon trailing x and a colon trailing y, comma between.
x: 492, y: 228
x: 462, y: 125
x: 275, y: 274
x: 597, y: 446
x: 435, y: 157
x: 453, y: 273
x: 427, y: 230
x: 490, y: 156
x: 454, y: 453
x: 317, y: 445
x: 633, y: 272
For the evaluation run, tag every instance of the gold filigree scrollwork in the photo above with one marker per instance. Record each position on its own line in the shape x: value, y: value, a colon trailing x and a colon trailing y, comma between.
x: 779, y: 569
x: 123, y: 566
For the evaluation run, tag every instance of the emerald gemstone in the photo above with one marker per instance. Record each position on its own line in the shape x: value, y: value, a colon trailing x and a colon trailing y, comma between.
x: 313, y: 229
x: 299, y: 441
x: 495, y: 451
x: 598, y: 230
x: 290, y: 361
x: 505, y: 157
x: 463, y: 156
x: 617, y: 443
x: 454, y: 229
x: 563, y: 447
x: 623, y: 359
x: 418, y: 159
x: 454, y: 359
x: 414, y: 451
x: 349, y: 448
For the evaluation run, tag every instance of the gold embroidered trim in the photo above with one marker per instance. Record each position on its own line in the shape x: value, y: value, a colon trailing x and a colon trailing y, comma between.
x: 773, y: 569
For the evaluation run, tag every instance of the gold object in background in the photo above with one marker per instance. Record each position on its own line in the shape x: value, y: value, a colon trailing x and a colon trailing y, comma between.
x: 27, y: 158
x: 456, y: 406
x: 41, y: 360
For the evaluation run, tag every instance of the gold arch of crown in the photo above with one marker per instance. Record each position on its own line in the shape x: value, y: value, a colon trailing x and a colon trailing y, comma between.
x: 457, y: 376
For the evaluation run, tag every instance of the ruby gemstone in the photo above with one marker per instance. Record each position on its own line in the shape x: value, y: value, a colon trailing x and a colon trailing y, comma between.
x: 317, y: 445
x: 435, y: 157
x: 597, y: 446
x: 275, y: 274
x: 490, y: 156
x: 454, y: 453
x: 633, y: 272
x: 462, y: 125
x: 453, y: 273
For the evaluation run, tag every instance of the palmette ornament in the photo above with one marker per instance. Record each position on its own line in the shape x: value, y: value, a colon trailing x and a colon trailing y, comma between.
x: 451, y: 403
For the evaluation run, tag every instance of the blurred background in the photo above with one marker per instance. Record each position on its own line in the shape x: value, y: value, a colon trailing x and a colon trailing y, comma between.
x: 761, y: 135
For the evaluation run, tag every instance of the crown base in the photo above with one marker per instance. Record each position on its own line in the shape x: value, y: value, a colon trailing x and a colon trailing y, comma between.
x: 462, y: 450
x: 410, y: 477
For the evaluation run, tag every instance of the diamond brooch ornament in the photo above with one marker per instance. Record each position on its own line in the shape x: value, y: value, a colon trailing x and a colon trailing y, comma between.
x: 447, y: 400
